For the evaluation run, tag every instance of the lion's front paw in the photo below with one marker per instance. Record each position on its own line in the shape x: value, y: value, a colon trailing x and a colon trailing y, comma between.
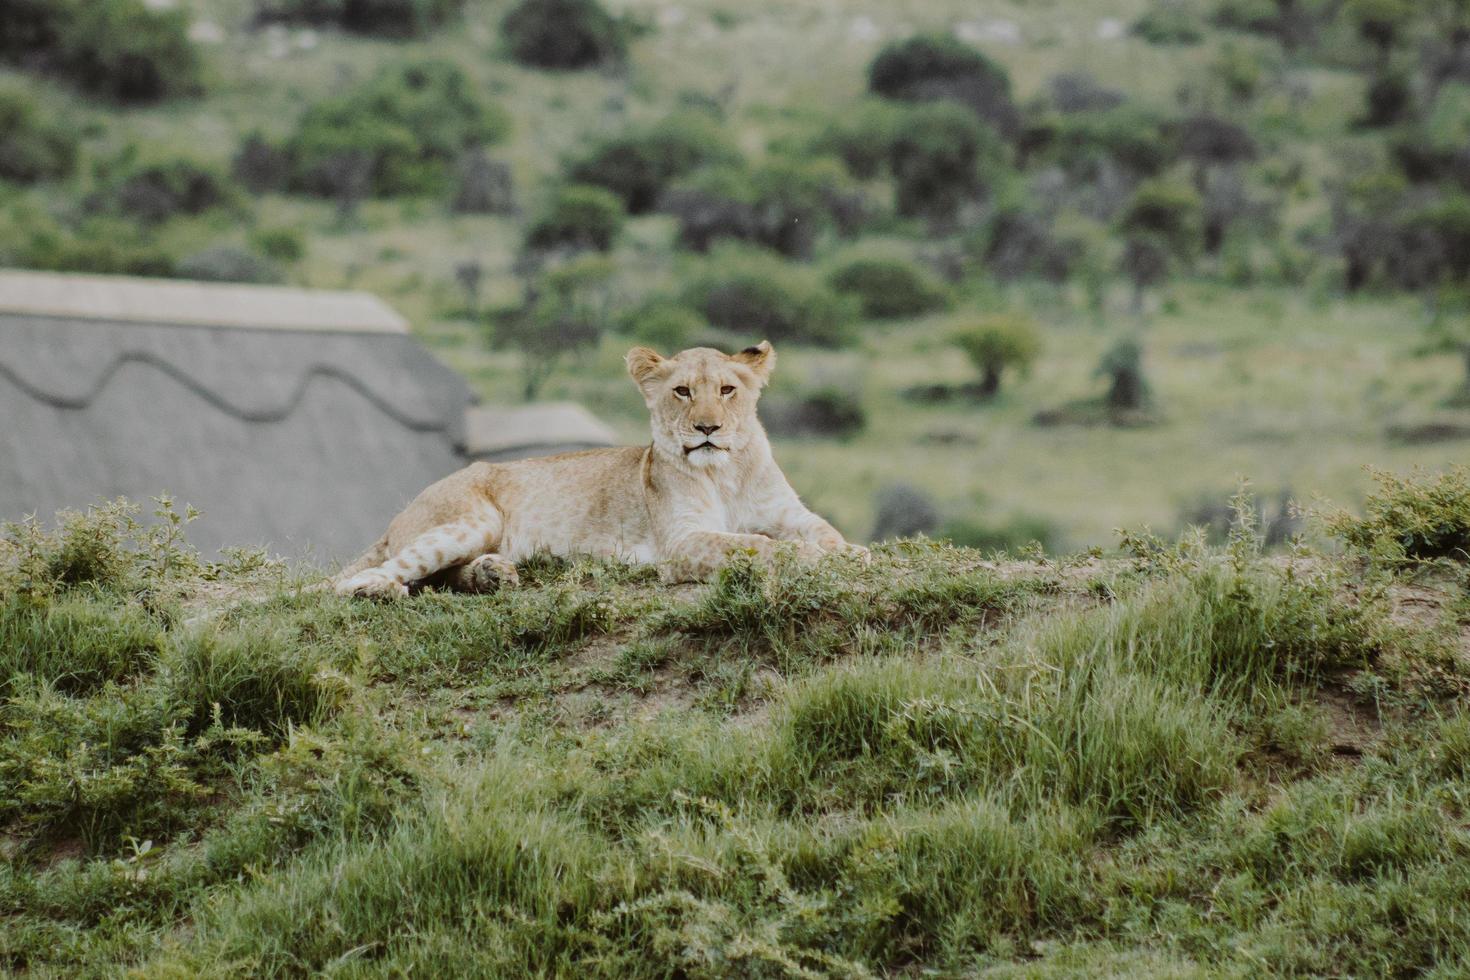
x: 372, y: 584
x: 857, y: 551
x: 489, y: 573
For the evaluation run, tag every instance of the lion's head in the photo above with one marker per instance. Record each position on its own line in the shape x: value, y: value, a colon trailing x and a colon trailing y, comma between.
x: 702, y: 401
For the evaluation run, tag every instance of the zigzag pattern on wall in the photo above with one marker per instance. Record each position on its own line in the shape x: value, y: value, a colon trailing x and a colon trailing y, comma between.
x: 310, y: 373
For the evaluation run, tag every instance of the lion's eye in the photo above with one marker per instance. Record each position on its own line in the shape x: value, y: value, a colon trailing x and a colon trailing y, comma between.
x: 682, y: 391
x: 727, y: 390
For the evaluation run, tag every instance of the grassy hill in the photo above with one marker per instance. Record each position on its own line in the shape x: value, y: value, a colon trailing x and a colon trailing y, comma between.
x: 1187, y: 762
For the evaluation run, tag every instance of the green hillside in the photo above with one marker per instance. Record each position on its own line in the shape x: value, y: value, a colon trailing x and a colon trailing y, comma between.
x: 1188, y: 762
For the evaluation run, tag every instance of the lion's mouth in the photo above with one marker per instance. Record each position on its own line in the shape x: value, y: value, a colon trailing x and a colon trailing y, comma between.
x: 703, y: 445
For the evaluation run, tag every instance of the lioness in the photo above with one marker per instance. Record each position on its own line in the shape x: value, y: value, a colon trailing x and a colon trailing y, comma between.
x: 704, y: 488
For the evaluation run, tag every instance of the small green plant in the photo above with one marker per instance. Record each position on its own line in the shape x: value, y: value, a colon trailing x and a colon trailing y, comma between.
x: 565, y: 310
x: 996, y: 344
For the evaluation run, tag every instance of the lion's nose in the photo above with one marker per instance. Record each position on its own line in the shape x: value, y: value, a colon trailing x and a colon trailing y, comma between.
x: 708, y: 429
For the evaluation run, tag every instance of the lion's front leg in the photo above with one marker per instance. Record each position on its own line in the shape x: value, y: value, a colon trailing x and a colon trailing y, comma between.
x: 800, y: 524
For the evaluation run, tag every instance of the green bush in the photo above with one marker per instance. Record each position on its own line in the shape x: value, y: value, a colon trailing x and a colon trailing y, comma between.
x: 1129, y: 136
x: 407, y: 128
x: 99, y: 244
x: 928, y: 67
x: 564, y: 34
x: 758, y: 295
x: 941, y: 158
x: 389, y: 18
x: 1418, y: 518
x: 119, y: 49
x: 578, y: 217
x: 33, y: 147
x: 155, y: 192
x: 638, y: 165
x: 997, y: 343
x: 863, y: 138
x: 663, y: 324
x: 890, y: 287
x: 281, y: 244
x: 1170, y: 210
x: 784, y: 204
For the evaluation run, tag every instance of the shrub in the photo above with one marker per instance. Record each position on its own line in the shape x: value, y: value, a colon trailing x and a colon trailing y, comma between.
x: 638, y: 165
x: 281, y: 244
x: 565, y: 310
x: 578, y: 217
x: 782, y: 204
x: 389, y: 18
x: 33, y: 147
x: 759, y: 295
x: 942, y: 158
x: 156, y: 192
x: 996, y: 343
x: 120, y: 49
x: 1170, y: 22
x: 1169, y: 210
x: 99, y: 245
x: 1013, y: 535
x: 829, y: 412
x: 1211, y: 141
x: 1418, y: 518
x: 407, y: 127
x: 1017, y: 243
x: 1079, y: 92
x: 260, y: 165
x: 904, y: 511
x: 228, y: 263
x: 863, y: 138
x: 1388, y: 101
x: 663, y: 324
x: 483, y: 185
x: 930, y: 67
x: 1122, y: 365
x: 890, y: 287
x: 1130, y: 137
x: 564, y: 34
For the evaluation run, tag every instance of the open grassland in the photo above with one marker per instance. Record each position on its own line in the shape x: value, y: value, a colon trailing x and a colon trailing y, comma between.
x: 1189, y: 762
x: 1294, y: 387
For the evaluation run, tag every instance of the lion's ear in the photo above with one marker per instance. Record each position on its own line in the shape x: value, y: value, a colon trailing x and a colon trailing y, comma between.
x: 645, y: 365
x: 761, y: 359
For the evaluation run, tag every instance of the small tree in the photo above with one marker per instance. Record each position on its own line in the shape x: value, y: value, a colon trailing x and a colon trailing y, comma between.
x: 638, y: 165
x: 997, y: 343
x: 1122, y: 365
x: 566, y: 310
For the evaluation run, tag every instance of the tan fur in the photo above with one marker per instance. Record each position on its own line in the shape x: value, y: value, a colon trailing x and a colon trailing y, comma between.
x: 676, y: 502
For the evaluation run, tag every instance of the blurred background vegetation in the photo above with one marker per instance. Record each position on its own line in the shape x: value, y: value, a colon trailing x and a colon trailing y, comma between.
x: 1036, y: 270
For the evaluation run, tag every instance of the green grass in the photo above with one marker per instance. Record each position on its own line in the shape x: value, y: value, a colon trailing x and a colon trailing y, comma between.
x: 1189, y: 762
